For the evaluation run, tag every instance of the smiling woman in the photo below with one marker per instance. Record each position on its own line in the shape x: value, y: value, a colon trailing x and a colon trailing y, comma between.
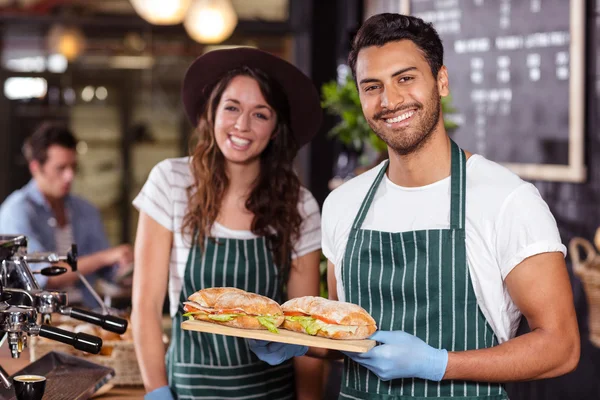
x: 234, y: 214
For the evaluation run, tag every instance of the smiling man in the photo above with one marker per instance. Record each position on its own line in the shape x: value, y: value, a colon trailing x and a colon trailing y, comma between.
x: 444, y: 248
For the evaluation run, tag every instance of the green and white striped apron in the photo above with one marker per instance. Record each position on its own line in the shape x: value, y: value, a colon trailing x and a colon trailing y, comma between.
x: 207, y: 366
x: 417, y: 282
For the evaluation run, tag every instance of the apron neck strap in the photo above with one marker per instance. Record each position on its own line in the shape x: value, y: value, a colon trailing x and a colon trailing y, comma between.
x: 458, y: 181
x: 366, y: 204
x: 458, y: 184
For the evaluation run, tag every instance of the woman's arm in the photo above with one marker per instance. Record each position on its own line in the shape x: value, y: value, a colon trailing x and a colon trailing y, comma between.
x: 304, y: 280
x: 152, y: 251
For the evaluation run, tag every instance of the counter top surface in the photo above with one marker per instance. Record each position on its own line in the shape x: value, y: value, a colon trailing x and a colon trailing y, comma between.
x: 11, y: 366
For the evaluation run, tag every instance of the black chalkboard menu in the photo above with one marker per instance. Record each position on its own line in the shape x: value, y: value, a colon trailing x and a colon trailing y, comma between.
x: 516, y: 79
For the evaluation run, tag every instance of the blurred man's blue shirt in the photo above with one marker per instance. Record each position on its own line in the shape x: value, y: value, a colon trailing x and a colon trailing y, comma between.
x: 27, y: 212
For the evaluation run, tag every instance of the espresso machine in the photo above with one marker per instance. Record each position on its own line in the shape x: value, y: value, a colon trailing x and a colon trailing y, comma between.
x: 15, y: 274
x: 18, y: 322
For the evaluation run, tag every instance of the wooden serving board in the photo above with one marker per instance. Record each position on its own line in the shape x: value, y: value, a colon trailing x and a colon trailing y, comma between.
x: 284, y: 336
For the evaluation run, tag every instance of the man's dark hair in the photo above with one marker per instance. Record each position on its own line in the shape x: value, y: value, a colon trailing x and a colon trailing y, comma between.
x: 47, y: 134
x: 384, y: 28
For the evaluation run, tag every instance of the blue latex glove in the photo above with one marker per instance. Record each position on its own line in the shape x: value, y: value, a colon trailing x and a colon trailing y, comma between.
x: 162, y: 393
x: 402, y: 355
x: 274, y: 353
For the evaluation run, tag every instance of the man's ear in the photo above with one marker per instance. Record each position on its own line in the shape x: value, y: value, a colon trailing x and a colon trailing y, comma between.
x: 443, y: 82
x: 34, y: 167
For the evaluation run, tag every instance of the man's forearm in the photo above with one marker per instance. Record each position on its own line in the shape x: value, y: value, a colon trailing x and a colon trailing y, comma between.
x: 85, y: 265
x: 535, y: 355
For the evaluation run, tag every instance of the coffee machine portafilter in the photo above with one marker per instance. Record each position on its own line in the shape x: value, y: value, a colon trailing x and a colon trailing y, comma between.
x: 17, y: 277
x: 18, y: 322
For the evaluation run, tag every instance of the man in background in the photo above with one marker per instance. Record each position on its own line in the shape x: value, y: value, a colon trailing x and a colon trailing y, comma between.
x: 52, y: 218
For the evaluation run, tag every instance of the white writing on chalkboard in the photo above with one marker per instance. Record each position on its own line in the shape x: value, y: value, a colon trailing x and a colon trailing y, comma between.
x: 510, y: 66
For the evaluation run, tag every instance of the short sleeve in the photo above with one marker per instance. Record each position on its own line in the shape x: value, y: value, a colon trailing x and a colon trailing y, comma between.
x: 525, y: 227
x: 310, y: 230
x: 155, y: 197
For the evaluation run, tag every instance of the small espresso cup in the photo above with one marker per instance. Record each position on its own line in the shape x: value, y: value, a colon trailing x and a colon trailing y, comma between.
x: 29, y: 387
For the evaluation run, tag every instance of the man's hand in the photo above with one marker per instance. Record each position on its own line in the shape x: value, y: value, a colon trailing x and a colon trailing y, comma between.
x: 274, y: 353
x: 402, y: 355
x: 121, y: 255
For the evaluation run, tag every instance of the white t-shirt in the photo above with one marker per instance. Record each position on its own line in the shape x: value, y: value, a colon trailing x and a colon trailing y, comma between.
x: 506, y: 222
x: 164, y: 198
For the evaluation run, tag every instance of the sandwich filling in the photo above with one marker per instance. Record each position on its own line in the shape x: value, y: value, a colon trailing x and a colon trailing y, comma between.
x: 313, y: 324
x: 226, y: 315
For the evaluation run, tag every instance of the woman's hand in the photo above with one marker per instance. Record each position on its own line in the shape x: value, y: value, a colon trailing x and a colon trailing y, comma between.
x: 274, y: 353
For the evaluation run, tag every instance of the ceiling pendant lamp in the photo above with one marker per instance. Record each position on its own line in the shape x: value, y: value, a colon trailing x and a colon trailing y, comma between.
x: 210, y: 21
x: 161, y: 12
x: 66, y: 40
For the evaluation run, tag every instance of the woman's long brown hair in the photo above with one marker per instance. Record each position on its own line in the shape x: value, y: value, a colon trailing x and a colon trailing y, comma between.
x: 274, y: 198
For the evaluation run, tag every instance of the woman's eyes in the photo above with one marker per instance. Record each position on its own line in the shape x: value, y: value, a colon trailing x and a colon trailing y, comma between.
x: 258, y: 114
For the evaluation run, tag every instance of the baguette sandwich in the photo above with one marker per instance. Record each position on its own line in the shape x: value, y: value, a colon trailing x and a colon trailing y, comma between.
x: 234, y: 307
x: 327, y: 318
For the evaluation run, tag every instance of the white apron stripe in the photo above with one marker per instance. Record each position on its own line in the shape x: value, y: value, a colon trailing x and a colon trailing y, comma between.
x: 347, y: 396
x: 439, y: 385
x: 235, y: 274
x: 216, y: 338
x: 370, y: 297
x: 362, y: 238
x: 239, y: 387
x: 403, y: 297
x: 412, y: 390
x: 380, y: 286
x: 257, y: 265
x: 453, y: 300
x: 268, y: 276
x: 393, y: 301
x: 224, y: 284
x: 226, y: 339
x: 427, y: 293
x: 247, y: 270
x: 230, y: 377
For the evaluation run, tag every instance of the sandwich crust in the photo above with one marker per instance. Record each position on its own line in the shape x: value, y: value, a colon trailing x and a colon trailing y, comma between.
x: 340, y: 312
x: 250, y: 303
x: 208, y: 297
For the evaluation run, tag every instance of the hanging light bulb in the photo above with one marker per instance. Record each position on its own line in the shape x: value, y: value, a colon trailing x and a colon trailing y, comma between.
x: 161, y: 12
x: 68, y: 41
x: 210, y: 21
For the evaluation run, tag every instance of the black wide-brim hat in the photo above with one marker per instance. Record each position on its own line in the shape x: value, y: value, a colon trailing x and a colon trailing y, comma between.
x: 303, y: 98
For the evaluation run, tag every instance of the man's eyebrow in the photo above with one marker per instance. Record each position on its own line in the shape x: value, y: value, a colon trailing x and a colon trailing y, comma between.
x: 399, y: 72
